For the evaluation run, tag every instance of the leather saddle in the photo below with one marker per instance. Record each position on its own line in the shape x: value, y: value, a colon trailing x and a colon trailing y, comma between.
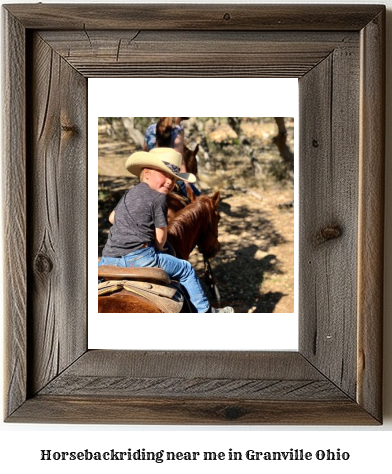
x: 151, y: 283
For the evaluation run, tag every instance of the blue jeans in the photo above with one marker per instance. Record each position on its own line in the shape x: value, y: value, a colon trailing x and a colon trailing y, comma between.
x: 180, y: 270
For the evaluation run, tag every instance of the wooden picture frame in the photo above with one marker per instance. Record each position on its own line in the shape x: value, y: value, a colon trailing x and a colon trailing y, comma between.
x: 338, y: 54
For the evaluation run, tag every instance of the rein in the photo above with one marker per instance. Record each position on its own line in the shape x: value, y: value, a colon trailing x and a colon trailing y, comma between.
x: 208, y: 275
x: 210, y: 280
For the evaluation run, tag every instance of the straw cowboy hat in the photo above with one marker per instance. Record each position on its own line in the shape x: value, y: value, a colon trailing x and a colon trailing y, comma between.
x: 162, y: 159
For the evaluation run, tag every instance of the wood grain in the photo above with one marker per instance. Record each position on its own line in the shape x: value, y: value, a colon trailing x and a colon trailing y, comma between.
x: 208, y: 364
x: 14, y: 211
x: 195, y: 53
x: 206, y: 374
x: 371, y: 216
x: 192, y: 17
x: 102, y: 409
x: 329, y: 170
x: 57, y: 220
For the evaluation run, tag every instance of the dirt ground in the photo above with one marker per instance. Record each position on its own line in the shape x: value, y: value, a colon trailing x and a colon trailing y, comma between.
x: 254, y: 270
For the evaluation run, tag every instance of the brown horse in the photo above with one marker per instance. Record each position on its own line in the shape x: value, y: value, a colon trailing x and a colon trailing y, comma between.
x: 125, y: 302
x: 195, y: 225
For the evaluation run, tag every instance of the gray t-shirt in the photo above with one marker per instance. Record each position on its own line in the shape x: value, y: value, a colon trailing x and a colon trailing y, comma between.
x: 137, y: 214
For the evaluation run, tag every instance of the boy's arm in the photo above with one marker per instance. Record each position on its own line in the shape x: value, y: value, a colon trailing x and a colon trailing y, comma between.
x: 160, y: 237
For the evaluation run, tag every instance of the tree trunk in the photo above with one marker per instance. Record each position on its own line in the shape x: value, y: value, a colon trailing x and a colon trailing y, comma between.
x: 133, y: 133
x: 281, y: 142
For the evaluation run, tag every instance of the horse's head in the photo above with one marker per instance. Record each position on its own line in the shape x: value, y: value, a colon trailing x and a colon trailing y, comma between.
x: 209, y: 244
x: 190, y: 159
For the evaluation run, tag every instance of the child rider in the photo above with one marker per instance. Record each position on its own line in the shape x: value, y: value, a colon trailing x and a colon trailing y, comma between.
x: 139, y: 231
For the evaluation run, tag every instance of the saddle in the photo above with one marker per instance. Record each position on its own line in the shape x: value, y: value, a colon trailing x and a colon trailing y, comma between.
x: 151, y: 283
x: 150, y: 274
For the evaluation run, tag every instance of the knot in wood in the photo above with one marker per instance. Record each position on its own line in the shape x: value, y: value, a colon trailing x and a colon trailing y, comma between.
x: 315, y: 143
x: 328, y: 233
x: 232, y: 412
x: 227, y: 16
x: 43, y: 264
x: 68, y: 128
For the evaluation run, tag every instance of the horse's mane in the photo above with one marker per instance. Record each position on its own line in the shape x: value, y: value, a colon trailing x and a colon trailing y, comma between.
x: 188, y: 216
x: 177, y: 197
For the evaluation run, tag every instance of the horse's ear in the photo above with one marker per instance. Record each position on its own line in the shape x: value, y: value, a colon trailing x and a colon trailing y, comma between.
x: 196, y: 149
x: 191, y: 194
x: 216, y: 198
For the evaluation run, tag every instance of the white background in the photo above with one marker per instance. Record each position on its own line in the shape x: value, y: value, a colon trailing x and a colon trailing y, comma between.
x: 204, y: 98
x: 20, y: 445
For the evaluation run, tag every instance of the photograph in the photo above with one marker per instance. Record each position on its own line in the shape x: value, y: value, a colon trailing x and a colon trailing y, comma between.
x: 214, y: 232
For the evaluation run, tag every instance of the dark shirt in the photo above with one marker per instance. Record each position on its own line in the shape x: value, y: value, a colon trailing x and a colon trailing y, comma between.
x: 137, y: 214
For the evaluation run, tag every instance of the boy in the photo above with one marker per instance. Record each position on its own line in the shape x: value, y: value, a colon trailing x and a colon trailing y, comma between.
x: 139, y: 229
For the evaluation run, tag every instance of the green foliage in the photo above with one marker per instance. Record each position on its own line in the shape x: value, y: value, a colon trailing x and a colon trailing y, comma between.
x: 141, y: 123
x: 278, y: 170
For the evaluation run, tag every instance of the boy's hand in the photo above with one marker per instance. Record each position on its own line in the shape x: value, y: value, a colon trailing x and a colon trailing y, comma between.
x: 111, y: 217
x: 160, y: 237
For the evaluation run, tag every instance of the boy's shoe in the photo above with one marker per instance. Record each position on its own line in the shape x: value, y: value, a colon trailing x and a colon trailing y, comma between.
x: 226, y: 309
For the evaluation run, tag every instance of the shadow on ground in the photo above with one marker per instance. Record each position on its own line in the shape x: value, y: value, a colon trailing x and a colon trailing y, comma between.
x: 243, y: 263
x: 240, y: 281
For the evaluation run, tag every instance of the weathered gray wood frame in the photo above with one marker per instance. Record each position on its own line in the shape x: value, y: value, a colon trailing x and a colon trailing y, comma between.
x: 337, y: 52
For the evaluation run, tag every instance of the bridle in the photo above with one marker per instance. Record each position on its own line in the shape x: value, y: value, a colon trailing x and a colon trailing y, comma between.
x: 210, y: 230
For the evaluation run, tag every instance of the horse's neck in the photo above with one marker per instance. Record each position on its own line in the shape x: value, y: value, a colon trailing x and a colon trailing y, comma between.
x: 185, y: 241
